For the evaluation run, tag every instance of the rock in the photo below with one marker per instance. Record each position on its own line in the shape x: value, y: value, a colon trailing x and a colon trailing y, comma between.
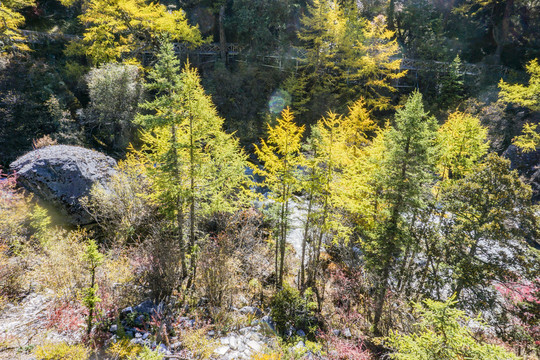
x: 233, y: 343
x: 336, y: 332
x: 347, y: 333
x: 255, y: 337
x: 222, y: 350
x: 299, y: 346
x: 176, y: 345
x: 113, y: 328
x: 146, y: 307
x: 60, y: 175
x: 290, y: 331
x: 251, y: 310
x: 211, y: 333
x: 224, y: 341
x: 254, y: 345
x: 300, y: 333
x: 269, y: 322
x: 161, y: 348
x: 127, y: 310
x: 233, y: 355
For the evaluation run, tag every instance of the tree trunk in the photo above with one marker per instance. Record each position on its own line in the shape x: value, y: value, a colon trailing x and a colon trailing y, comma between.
x: 501, y: 36
x: 179, y: 208
x: 304, y: 242
x: 283, y: 240
x: 222, y: 39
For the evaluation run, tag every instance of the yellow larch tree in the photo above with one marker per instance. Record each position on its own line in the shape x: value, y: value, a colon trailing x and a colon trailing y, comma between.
x: 281, y: 155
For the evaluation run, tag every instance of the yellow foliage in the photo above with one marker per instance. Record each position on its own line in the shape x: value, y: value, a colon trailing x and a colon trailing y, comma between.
x: 280, y: 154
x: 61, y: 351
x: 61, y: 267
x: 198, y: 343
x: 10, y: 21
x: 272, y: 356
x: 462, y: 142
x: 529, y: 140
x: 124, y: 349
x: 124, y: 29
x: 527, y: 96
x: 523, y: 95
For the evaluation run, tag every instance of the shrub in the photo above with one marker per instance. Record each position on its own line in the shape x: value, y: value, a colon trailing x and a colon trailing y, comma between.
x: 61, y: 265
x: 115, y: 91
x: 61, y: 351
x: 443, y: 334
x: 198, y: 343
x: 14, y: 214
x: 344, y: 349
x: 289, y: 308
x: 123, y: 211
x: 46, y: 140
x: 124, y: 349
x: 218, y: 271
x: 149, y: 354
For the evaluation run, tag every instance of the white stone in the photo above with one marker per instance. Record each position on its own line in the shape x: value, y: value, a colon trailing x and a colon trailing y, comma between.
x: 254, y: 345
x: 233, y: 343
x: 222, y: 350
x: 224, y: 341
x: 255, y: 337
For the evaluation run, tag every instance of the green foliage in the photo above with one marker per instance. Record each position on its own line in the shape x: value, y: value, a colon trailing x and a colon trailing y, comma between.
x: 290, y: 308
x: 481, y: 218
x: 196, y: 341
x: 40, y: 223
x: 443, y: 334
x: 124, y: 349
x: 115, y: 91
x: 123, y: 210
x: 149, y: 354
x: 195, y: 167
x: 405, y: 173
x: 347, y: 58
x: 61, y: 351
x: 93, y: 259
x: 451, y: 85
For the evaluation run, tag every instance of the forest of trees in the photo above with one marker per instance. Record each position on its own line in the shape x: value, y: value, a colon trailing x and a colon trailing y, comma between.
x: 360, y: 178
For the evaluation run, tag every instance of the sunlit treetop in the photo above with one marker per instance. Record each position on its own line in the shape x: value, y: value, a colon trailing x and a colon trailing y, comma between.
x: 527, y: 96
x: 10, y: 20
x: 125, y: 29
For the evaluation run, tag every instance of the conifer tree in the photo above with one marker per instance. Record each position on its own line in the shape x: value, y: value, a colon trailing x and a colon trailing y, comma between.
x: 281, y: 156
x: 462, y: 143
x: 489, y: 220
x: 197, y: 168
x: 10, y: 22
x: 322, y: 148
x: 405, y: 172
x: 527, y: 96
x: 347, y: 57
x: 118, y: 30
x: 93, y: 259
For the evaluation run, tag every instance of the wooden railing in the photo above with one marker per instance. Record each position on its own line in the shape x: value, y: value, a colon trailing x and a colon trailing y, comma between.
x: 276, y: 60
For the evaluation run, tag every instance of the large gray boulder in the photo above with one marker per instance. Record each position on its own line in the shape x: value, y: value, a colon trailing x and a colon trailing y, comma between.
x: 60, y: 175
